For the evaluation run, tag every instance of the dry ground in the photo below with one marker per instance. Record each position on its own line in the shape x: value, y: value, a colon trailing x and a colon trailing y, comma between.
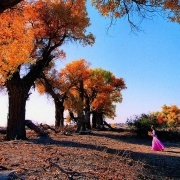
x: 101, y: 155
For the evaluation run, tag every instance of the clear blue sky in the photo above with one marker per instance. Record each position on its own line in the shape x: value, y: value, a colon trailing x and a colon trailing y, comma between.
x: 148, y: 61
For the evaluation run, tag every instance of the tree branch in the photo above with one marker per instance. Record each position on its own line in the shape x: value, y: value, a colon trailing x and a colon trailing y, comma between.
x: 4, y: 4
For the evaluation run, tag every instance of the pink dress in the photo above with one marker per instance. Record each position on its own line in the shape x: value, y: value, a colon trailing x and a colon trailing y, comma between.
x: 157, y: 145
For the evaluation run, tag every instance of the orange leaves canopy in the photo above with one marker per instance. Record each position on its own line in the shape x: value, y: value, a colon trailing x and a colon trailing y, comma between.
x: 107, y: 89
x: 16, y: 41
x: 141, y: 8
x: 33, y: 31
x: 58, y: 18
x: 97, y: 87
x: 75, y: 74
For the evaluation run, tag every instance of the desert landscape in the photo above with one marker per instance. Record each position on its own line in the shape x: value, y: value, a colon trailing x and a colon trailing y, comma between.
x: 99, y: 155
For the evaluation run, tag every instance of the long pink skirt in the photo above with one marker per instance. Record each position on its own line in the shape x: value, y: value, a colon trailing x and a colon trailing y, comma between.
x: 157, y: 145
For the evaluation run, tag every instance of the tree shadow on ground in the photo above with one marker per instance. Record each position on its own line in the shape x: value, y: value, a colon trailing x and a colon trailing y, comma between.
x: 161, y: 166
x: 132, y: 138
x: 127, y: 137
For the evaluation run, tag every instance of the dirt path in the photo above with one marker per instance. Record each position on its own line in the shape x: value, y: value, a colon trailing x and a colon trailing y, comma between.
x: 101, y: 155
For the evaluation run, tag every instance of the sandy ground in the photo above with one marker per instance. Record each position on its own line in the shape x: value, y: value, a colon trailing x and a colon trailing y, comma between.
x: 99, y: 155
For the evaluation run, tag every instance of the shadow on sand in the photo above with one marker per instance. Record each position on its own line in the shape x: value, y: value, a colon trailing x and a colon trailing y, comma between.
x: 161, y: 166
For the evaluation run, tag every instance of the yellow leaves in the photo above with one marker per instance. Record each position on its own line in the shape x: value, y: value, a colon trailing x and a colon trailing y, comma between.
x: 108, y: 91
x: 109, y: 8
x: 41, y: 88
x: 61, y: 17
x: 117, y: 9
x: 27, y: 29
x: 169, y: 115
x: 16, y: 42
x: 76, y: 70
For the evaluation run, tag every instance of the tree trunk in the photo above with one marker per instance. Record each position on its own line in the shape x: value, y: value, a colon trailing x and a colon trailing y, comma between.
x: 87, y: 112
x: 18, y: 92
x: 16, y: 115
x: 81, y: 119
x: 100, y: 122
x: 58, y: 101
x: 3, y: 130
x: 59, y: 113
x: 87, y: 119
x: 32, y: 126
x: 94, y: 120
x: 97, y: 120
x: 81, y: 123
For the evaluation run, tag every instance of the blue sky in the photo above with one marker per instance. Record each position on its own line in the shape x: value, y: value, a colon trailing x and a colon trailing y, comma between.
x: 148, y: 61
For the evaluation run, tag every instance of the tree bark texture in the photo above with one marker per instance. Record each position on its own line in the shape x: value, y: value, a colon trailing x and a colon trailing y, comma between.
x: 81, y: 123
x: 87, y: 119
x: 81, y: 119
x: 18, y: 93
x: 87, y: 111
x: 16, y: 116
x: 97, y: 120
x: 59, y: 113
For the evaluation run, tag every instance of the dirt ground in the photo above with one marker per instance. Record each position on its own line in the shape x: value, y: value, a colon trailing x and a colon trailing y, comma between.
x: 98, y: 155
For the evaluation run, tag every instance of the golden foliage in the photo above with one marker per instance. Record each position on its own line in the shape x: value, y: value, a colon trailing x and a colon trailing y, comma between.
x: 143, y: 8
x: 108, y: 89
x: 40, y: 86
x: 108, y: 7
x: 83, y: 87
x: 169, y: 115
x: 32, y: 27
x: 16, y: 41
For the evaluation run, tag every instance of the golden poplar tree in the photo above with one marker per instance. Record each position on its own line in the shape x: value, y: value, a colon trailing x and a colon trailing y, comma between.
x: 30, y: 37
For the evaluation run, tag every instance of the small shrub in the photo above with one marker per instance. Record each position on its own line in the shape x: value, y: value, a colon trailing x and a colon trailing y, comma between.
x: 142, y: 124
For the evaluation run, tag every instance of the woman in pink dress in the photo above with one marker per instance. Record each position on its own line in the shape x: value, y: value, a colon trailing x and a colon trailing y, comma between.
x: 157, y: 145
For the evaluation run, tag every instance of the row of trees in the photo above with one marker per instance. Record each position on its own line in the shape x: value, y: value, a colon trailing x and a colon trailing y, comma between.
x: 30, y: 40
x: 82, y: 91
x: 32, y: 33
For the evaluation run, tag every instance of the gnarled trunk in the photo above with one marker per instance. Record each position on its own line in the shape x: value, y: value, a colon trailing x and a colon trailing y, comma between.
x: 18, y: 92
x: 16, y: 115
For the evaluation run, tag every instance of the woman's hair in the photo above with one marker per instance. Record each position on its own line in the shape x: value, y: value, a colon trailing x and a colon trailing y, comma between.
x: 153, y: 127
